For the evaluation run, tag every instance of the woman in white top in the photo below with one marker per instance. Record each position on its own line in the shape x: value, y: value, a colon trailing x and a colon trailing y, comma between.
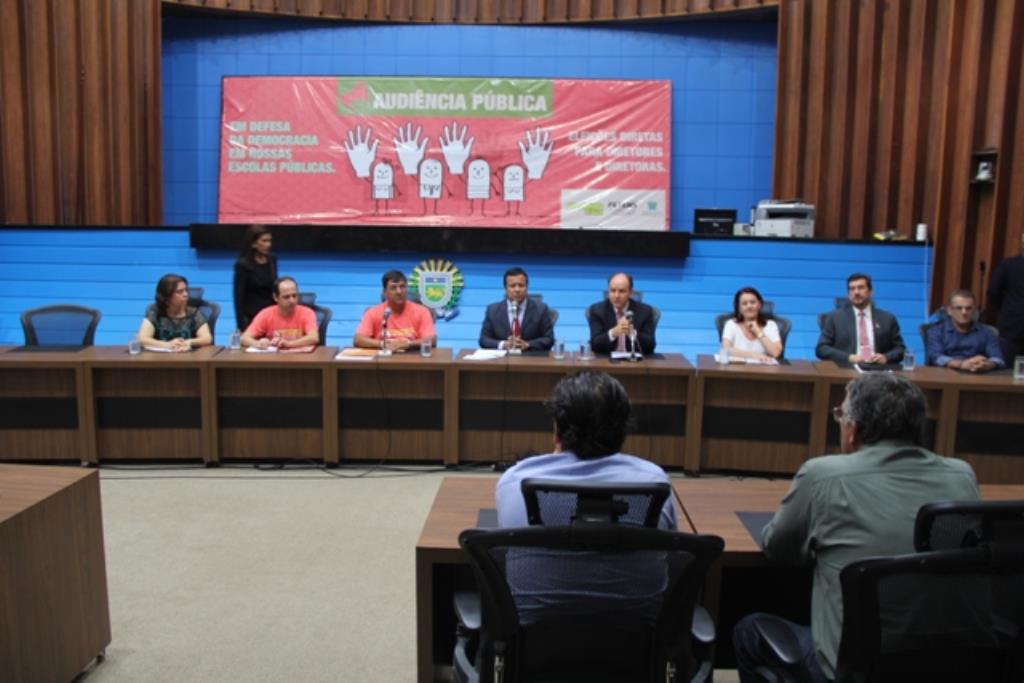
x: 749, y: 334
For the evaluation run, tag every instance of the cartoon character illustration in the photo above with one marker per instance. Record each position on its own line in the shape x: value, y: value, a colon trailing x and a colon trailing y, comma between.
x: 432, y: 183
x: 383, y: 185
x: 455, y: 148
x: 478, y: 183
x: 360, y: 153
x: 513, y: 188
x: 536, y: 153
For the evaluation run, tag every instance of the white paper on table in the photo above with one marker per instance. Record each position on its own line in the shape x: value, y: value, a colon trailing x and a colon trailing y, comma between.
x: 486, y: 354
x: 255, y: 349
x: 624, y: 355
x: 341, y: 355
x: 156, y: 349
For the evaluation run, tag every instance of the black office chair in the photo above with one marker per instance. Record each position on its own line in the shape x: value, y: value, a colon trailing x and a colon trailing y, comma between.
x: 839, y: 302
x: 323, y: 314
x: 554, y: 502
x: 952, y: 615
x: 209, y: 309
x: 60, y: 325
x: 594, y: 630
x: 557, y: 502
x: 949, y: 525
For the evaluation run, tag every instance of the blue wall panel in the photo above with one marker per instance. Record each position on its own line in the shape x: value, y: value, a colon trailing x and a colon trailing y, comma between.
x: 116, y: 271
x: 722, y: 73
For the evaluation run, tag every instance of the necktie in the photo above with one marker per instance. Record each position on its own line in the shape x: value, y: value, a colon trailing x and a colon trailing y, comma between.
x: 862, y: 332
x: 516, y: 330
x: 621, y: 341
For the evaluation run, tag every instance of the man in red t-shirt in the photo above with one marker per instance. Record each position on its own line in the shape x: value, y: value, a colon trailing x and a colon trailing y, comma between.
x: 286, y: 325
x: 397, y: 323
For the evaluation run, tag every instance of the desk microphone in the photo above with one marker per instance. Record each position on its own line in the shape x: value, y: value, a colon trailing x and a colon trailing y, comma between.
x: 628, y: 315
x: 384, y: 333
x: 516, y: 333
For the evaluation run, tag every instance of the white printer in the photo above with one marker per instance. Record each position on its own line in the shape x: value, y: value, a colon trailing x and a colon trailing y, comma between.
x: 783, y: 218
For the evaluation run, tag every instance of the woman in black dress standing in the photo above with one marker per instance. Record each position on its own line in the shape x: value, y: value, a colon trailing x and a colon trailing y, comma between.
x: 255, y: 272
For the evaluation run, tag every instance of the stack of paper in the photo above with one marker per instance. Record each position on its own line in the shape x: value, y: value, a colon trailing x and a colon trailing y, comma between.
x: 486, y: 354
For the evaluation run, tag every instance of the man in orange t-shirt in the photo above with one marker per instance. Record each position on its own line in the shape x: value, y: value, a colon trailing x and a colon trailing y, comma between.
x: 285, y: 325
x: 397, y: 323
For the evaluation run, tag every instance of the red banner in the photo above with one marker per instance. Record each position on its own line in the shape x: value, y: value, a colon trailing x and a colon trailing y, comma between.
x: 446, y: 152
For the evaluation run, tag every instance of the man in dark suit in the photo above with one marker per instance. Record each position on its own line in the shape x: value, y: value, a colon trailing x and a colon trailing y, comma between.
x: 517, y: 323
x: 610, y: 325
x: 860, y: 332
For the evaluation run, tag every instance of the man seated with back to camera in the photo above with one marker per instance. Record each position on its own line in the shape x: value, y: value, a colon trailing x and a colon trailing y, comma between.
x: 614, y: 321
x: 591, y: 413
x: 843, y: 508
x: 396, y: 323
x: 959, y: 341
x: 286, y: 324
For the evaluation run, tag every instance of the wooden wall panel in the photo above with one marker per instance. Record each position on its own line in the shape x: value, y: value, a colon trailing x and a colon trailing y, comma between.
x: 881, y: 106
x: 481, y: 11
x: 80, y: 112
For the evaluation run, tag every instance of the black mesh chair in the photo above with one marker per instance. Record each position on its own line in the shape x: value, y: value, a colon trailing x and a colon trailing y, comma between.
x: 950, y: 525
x: 554, y: 502
x: 323, y: 314
x: 60, y: 325
x: 323, y: 319
x: 952, y: 615
x: 839, y: 302
x: 588, y: 628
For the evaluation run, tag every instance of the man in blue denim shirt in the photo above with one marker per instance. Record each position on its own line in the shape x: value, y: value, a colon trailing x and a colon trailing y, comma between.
x: 960, y: 342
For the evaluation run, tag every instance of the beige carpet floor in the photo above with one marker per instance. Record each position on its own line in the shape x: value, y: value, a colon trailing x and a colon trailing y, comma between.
x: 234, y: 574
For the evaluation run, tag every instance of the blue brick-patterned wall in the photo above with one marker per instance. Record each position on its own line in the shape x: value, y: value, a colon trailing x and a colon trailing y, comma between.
x: 116, y: 271
x: 722, y: 73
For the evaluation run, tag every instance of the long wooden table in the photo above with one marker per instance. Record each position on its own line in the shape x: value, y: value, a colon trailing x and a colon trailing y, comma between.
x: 100, y: 404
x: 501, y: 415
x: 54, y: 616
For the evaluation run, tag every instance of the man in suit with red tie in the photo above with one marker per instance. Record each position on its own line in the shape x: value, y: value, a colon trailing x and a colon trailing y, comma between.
x: 615, y: 321
x: 517, y: 323
x: 860, y: 332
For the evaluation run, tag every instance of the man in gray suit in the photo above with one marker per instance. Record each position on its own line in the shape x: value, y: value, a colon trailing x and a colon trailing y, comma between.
x: 517, y: 322
x: 860, y: 332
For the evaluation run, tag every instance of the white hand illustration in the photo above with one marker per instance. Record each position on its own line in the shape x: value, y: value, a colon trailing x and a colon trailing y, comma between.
x: 409, y: 153
x: 536, y: 153
x: 455, y: 148
x: 360, y: 153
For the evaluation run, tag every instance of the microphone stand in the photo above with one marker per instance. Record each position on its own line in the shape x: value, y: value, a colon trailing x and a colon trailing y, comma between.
x: 384, y: 349
x: 633, y: 355
x: 515, y: 350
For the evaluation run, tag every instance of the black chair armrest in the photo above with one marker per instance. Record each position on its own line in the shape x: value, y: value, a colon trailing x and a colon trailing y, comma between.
x: 467, y: 609
x: 703, y: 627
x: 780, y: 639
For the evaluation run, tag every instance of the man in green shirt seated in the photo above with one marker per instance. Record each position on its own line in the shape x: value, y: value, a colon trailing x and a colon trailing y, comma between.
x: 841, y: 508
